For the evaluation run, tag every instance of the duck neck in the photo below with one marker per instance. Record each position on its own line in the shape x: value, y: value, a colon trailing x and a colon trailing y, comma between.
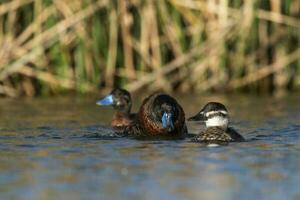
x: 120, y: 113
x: 224, y: 128
x: 217, y: 121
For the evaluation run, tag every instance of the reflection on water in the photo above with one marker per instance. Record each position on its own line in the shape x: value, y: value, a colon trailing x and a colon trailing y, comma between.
x: 57, y: 149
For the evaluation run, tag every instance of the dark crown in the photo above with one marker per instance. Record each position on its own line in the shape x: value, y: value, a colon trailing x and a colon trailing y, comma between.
x: 214, y: 106
x: 213, y: 109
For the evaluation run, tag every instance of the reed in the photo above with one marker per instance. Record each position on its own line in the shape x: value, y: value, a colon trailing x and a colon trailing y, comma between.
x: 50, y: 47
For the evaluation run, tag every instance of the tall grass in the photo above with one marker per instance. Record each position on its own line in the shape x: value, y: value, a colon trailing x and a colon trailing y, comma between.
x: 55, y: 46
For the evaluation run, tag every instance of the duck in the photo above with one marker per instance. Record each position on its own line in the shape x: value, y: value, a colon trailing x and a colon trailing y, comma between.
x: 215, y: 116
x: 120, y: 100
x: 160, y: 116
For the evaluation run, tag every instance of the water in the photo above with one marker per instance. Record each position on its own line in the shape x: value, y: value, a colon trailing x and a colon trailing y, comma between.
x: 51, y: 149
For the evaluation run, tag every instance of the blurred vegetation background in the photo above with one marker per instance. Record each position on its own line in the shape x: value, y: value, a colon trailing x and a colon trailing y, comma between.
x: 57, y: 46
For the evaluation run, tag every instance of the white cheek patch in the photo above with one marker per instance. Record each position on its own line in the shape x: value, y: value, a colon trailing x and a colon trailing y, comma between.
x: 217, y: 121
x: 215, y: 112
x: 223, y: 112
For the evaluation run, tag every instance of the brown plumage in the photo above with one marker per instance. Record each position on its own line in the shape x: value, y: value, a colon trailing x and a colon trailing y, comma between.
x: 120, y: 99
x: 121, y: 120
x: 160, y: 116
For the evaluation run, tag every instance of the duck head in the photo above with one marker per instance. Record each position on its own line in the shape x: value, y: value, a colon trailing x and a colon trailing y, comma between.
x: 165, y: 112
x: 119, y: 98
x: 214, y: 114
x: 160, y: 114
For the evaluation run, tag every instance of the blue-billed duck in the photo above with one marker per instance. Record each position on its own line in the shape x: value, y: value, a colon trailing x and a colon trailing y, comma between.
x: 160, y: 116
x: 120, y: 99
x: 215, y: 116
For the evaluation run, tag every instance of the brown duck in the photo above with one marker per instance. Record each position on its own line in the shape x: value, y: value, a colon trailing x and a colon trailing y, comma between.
x: 160, y: 116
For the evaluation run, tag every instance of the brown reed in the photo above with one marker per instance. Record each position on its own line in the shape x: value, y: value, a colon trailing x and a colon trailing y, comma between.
x: 48, y: 47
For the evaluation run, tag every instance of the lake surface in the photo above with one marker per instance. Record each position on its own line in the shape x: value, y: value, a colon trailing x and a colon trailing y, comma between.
x: 50, y: 150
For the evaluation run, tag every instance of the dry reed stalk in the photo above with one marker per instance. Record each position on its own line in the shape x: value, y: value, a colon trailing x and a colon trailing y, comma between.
x: 65, y: 24
x: 199, y: 78
x: 172, y: 34
x: 265, y: 71
x: 8, y: 91
x: 13, y: 49
x: 27, y: 87
x: 173, y: 65
x: 126, y: 22
x: 13, y: 5
x: 155, y: 44
x: 35, y: 25
x: 143, y: 52
x: 22, y: 51
x: 178, y: 62
x: 170, y: 31
x: 278, y: 52
x: 38, y: 9
x: 278, y: 18
x: 80, y: 29
x: 143, y: 46
x: 67, y: 12
x: 232, y: 43
x: 51, y: 79
x: 112, y: 49
x: 27, y: 84
x: 260, y: 13
x: 10, y: 25
x: 297, y: 80
x: 18, y: 64
x: 46, y: 37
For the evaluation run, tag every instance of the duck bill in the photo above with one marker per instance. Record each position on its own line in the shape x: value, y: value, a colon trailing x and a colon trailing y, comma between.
x: 198, y: 117
x: 167, y: 122
x: 106, y: 101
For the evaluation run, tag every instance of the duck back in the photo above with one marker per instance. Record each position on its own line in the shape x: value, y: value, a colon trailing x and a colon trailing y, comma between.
x: 218, y: 135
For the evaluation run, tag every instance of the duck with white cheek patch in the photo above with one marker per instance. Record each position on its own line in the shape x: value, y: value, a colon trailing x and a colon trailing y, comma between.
x: 215, y: 116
